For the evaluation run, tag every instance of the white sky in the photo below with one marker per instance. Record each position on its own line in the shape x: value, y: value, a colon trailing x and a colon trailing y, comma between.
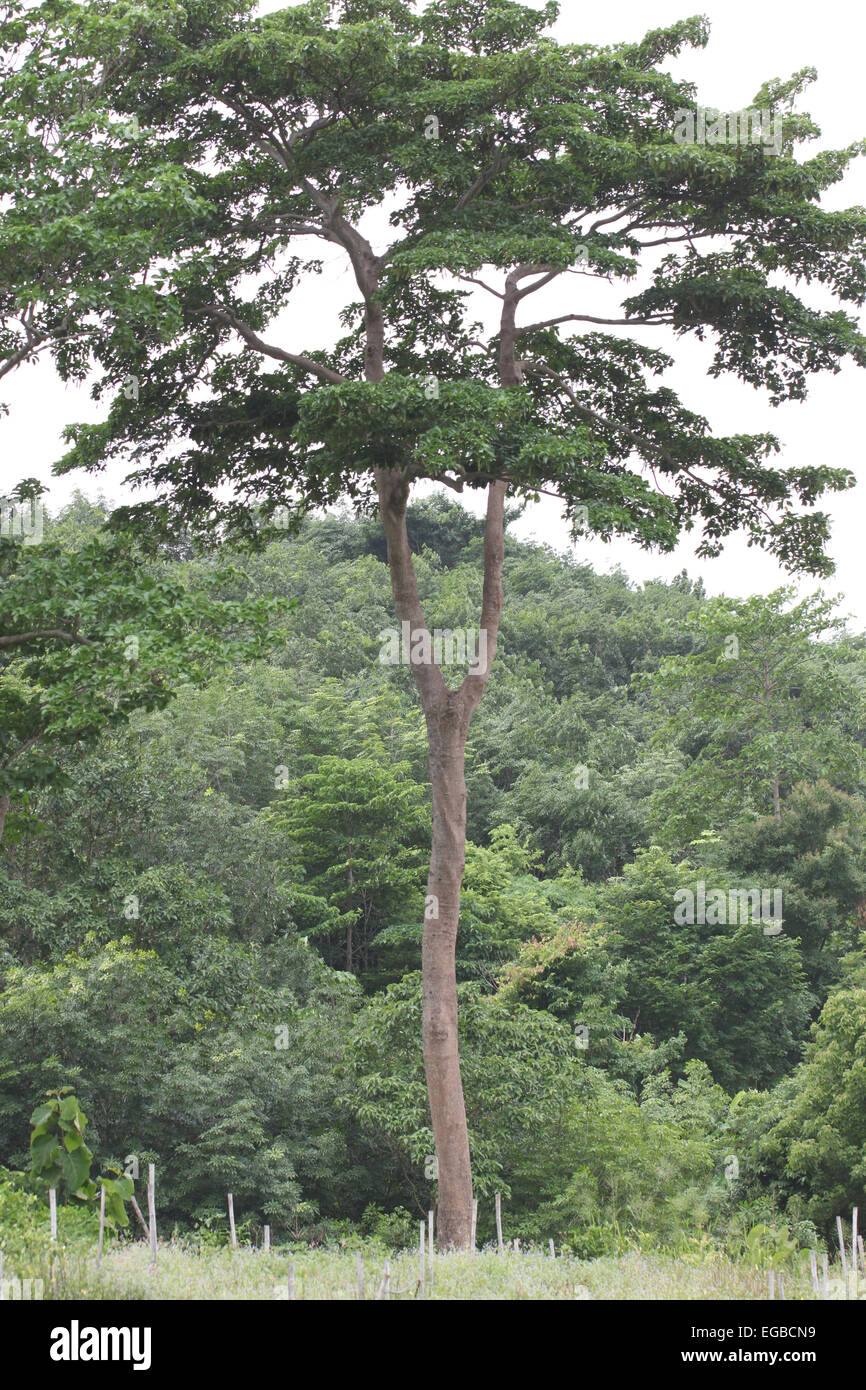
x: 749, y: 43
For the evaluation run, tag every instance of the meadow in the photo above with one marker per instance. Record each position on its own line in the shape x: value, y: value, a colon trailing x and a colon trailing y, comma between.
x: 186, y: 1271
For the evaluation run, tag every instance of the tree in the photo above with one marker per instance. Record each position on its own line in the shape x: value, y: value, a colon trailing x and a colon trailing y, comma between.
x: 816, y: 856
x: 228, y: 1073
x: 717, y: 988
x: 821, y: 1136
x: 357, y: 827
x: 760, y: 704
x: 89, y: 635
x: 497, y: 154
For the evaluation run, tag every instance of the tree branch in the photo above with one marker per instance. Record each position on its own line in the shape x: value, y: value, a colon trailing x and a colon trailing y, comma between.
x: 59, y: 633
x: 393, y: 492
x: 251, y: 337
x: 590, y: 318
x: 474, y: 683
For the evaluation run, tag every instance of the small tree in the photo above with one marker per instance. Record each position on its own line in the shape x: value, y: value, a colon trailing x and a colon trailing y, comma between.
x: 498, y: 158
x: 59, y: 1157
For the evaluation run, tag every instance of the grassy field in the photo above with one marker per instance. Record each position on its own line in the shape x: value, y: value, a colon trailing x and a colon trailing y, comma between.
x: 184, y: 1272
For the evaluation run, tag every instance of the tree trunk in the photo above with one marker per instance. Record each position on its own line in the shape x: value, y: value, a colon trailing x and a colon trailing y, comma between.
x: 4, y: 811
x: 439, y: 978
x: 448, y: 714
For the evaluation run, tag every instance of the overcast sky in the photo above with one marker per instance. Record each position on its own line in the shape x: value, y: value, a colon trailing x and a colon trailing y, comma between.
x: 749, y: 43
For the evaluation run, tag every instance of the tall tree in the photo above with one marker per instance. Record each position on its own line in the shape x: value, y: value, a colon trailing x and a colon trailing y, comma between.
x: 498, y: 158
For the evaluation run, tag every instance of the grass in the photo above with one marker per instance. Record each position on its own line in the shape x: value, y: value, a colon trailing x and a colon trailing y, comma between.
x: 187, y: 1272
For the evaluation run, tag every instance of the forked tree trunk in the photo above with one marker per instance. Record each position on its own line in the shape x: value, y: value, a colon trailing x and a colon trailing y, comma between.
x: 448, y: 714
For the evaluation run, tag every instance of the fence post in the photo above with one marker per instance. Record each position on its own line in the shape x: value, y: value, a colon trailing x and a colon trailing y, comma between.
x: 499, y: 1223
x: 101, y: 1225
x: 422, y: 1263
x: 232, y: 1222
x: 842, y: 1252
x: 151, y: 1209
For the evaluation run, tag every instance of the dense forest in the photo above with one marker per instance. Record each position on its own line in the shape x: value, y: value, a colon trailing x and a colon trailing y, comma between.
x: 211, y: 906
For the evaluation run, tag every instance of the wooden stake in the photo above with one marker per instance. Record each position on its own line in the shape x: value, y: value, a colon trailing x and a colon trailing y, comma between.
x: 825, y: 1269
x: 430, y: 1216
x: 472, y: 1233
x: 854, y: 1215
x: 151, y: 1210
x: 137, y: 1209
x: 232, y: 1222
x: 385, y: 1286
x: 842, y: 1252
x: 52, y: 1207
x: 813, y: 1270
x: 552, y: 1249
x: 101, y: 1225
x: 422, y: 1263
x: 267, y: 1239
x: 862, y: 1253
x: 291, y: 1281
x: 360, y: 1268
x: 499, y: 1223
x: 772, y: 1283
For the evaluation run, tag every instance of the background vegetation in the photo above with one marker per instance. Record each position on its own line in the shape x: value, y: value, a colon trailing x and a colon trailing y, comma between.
x: 252, y: 1027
